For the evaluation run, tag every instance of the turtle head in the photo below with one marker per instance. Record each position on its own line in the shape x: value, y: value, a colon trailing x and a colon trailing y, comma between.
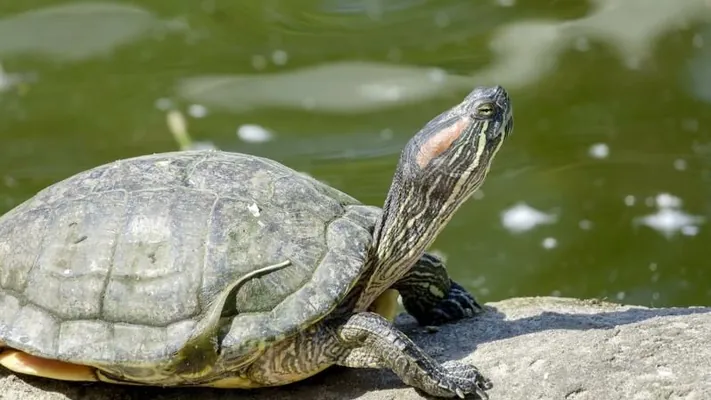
x: 439, y: 169
x: 448, y: 159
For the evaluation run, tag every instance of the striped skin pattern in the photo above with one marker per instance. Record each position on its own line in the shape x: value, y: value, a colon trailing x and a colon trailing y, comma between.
x: 178, y: 232
x: 431, y: 297
x: 422, y: 199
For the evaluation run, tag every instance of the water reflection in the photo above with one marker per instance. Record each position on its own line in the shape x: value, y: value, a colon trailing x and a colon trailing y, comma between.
x: 344, y: 87
x: 524, y: 52
x: 13, y: 80
x: 522, y: 217
x: 73, y: 31
x: 669, y: 219
x: 372, y: 8
x: 611, y: 99
x: 699, y: 79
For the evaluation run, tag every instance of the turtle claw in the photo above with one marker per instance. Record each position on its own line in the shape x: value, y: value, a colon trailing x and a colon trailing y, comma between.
x: 462, y: 379
x: 482, y: 394
x: 468, y: 303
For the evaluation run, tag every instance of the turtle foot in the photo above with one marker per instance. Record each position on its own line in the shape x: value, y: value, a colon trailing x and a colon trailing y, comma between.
x: 463, y: 378
x: 458, y: 305
x: 23, y: 363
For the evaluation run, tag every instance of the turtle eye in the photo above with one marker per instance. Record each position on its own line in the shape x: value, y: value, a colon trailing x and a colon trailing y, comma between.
x: 485, y: 110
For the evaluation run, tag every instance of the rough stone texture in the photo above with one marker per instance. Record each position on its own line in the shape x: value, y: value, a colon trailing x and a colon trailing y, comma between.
x: 531, y: 348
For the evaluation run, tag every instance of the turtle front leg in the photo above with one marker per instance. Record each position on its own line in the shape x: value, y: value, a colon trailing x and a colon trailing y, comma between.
x: 376, y: 343
x: 361, y: 340
x: 431, y: 297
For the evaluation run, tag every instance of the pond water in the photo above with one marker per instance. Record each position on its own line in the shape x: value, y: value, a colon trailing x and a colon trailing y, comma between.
x: 604, y: 190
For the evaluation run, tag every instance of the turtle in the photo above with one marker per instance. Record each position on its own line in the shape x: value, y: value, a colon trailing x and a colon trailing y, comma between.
x: 210, y: 268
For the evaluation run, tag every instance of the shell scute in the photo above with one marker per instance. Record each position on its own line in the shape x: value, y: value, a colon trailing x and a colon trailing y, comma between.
x: 114, y: 266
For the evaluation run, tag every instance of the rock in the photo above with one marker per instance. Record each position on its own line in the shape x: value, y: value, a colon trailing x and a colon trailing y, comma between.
x: 531, y: 348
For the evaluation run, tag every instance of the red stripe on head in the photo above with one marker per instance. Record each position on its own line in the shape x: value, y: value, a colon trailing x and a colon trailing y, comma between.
x: 440, y: 142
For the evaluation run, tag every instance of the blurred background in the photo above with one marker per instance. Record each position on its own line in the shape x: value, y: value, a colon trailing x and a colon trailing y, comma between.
x: 604, y: 190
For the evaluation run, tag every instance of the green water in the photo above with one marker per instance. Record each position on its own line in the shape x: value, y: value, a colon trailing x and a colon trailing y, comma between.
x: 611, y: 107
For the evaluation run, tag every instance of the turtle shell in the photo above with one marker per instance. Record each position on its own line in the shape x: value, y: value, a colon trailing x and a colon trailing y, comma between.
x: 118, y: 264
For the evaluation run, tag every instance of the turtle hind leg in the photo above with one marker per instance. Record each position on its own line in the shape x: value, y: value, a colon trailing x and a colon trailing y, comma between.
x: 376, y: 343
x: 431, y: 297
x: 26, y: 364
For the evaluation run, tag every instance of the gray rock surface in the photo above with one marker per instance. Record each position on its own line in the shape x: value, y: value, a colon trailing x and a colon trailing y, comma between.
x: 531, y: 348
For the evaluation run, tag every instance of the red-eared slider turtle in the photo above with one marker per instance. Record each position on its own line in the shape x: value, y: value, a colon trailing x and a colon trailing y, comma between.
x: 209, y: 268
